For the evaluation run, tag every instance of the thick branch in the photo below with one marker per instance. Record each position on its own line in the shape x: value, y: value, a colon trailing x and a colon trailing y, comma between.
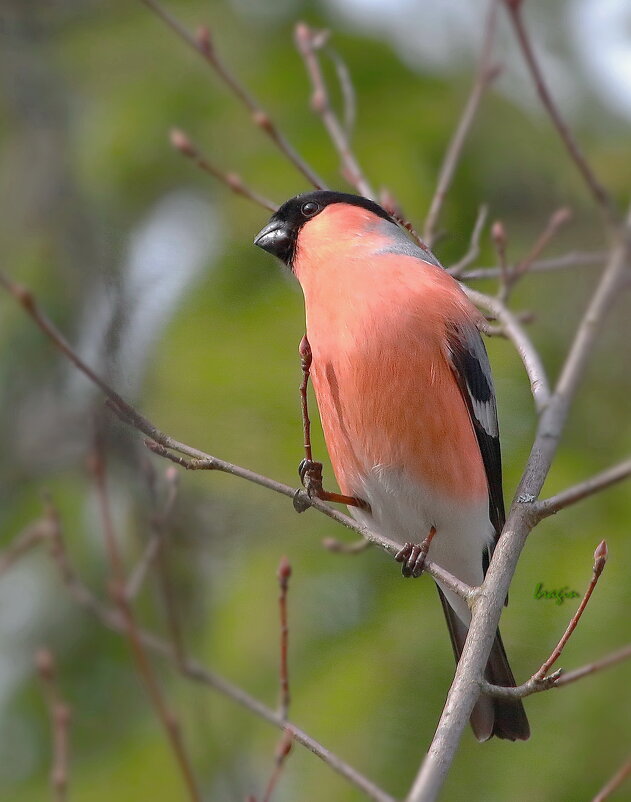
x: 488, y: 605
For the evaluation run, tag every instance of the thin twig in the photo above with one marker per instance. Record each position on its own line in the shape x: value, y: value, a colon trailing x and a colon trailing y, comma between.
x: 550, y: 506
x: 283, y: 575
x: 500, y: 241
x: 529, y: 356
x: 615, y: 782
x: 112, y: 619
x: 306, y: 43
x: 484, y: 76
x: 513, y: 276
x: 600, y: 559
x: 599, y: 193
x: 474, y: 244
x: 285, y: 743
x: 565, y: 262
x: 541, y: 680
x: 162, y: 444
x: 203, y: 45
x: 338, y: 547
x: 132, y: 632
x: 182, y: 143
x: 29, y: 537
x: 349, y: 97
x: 59, y: 714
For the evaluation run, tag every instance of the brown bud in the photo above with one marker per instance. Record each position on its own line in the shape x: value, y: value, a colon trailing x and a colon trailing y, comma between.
x: 284, y: 571
x: 204, y: 42
x: 560, y: 217
x: 261, y: 119
x: 302, y: 34
x: 181, y: 142
x: 498, y: 232
x: 45, y: 663
x: 600, y: 557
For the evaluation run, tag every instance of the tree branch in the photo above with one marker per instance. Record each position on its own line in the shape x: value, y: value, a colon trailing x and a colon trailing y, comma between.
x: 484, y: 77
x: 530, y: 358
x: 113, y: 619
x: 540, y: 680
x: 182, y: 143
x: 487, y: 607
x: 550, y: 506
x: 59, y: 714
x: 307, y: 43
x: 599, y: 193
x: 614, y: 783
x: 203, y: 45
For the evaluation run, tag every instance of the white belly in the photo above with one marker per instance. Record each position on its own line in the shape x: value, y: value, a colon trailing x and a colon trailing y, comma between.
x: 405, y: 510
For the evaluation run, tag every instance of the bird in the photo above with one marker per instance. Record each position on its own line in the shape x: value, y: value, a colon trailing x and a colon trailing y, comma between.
x: 406, y: 401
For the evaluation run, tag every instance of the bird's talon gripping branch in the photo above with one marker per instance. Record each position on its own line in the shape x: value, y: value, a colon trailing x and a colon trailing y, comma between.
x: 310, y: 473
x: 412, y: 556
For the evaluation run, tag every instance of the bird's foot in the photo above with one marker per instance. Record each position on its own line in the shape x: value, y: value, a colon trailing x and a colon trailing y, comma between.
x: 310, y: 473
x: 412, y: 556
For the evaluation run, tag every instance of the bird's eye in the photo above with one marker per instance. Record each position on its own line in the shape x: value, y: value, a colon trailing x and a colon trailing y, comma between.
x: 310, y: 208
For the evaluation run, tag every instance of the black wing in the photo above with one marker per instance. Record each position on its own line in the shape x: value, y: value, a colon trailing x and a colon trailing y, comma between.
x: 472, y: 371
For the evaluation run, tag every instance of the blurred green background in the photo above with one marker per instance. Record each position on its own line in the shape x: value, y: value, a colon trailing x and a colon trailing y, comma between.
x: 147, y: 265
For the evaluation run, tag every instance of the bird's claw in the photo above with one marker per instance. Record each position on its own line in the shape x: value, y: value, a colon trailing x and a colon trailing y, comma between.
x: 301, y: 503
x: 412, y: 556
x: 310, y: 473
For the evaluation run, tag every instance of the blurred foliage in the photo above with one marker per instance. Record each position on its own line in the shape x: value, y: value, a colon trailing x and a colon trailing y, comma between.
x: 90, y: 94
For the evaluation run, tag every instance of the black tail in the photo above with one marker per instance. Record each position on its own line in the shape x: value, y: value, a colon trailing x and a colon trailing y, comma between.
x: 505, y: 718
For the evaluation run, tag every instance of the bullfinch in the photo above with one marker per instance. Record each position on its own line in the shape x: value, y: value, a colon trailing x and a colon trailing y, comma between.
x: 406, y: 400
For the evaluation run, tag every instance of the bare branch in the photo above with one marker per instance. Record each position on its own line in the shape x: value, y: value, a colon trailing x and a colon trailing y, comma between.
x: 338, y: 547
x: 512, y: 277
x: 614, y: 783
x: 607, y: 661
x: 565, y: 262
x: 59, y: 714
x: 541, y: 680
x: 112, y: 619
x: 488, y: 605
x: 529, y: 356
x: 203, y: 45
x: 600, y: 559
x: 29, y: 537
x: 550, y: 506
x: 599, y: 193
x: 132, y: 632
x: 484, y: 77
x: 306, y: 43
x: 474, y: 244
x: 348, y: 90
x: 284, y: 573
x: 182, y: 143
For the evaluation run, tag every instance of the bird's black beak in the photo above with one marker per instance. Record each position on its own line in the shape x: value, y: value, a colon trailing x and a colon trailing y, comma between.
x: 276, y: 238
